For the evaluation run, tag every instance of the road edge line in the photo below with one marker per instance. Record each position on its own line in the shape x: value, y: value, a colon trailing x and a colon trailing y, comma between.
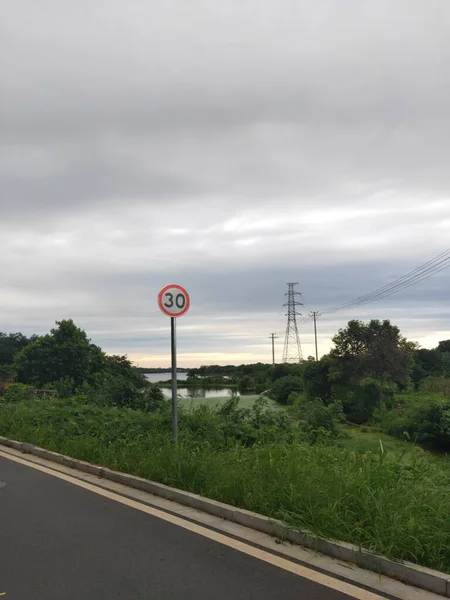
x: 406, y: 572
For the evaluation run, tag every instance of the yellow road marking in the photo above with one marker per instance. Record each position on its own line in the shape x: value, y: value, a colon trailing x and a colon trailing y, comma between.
x: 277, y: 561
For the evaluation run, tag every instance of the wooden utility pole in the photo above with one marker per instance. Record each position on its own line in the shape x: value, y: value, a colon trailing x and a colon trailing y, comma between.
x: 315, y: 314
x: 273, y: 337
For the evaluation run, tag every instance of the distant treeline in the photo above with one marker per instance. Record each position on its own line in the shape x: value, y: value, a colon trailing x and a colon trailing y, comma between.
x: 209, y: 370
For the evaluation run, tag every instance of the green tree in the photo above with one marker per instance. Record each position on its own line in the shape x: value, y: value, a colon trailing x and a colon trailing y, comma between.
x: 65, y: 353
x: 427, y: 363
x: 317, y: 381
x: 11, y: 344
x: 285, y: 370
x: 246, y: 384
x: 446, y: 364
x: 376, y: 351
x: 121, y: 366
x: 444, y: 346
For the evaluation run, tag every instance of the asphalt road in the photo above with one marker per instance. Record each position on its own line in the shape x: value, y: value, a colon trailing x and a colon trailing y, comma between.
x: 62, y: 542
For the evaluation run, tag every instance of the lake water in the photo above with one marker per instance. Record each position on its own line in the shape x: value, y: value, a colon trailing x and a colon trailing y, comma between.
x: 185, y: 392
x: 166, y: 376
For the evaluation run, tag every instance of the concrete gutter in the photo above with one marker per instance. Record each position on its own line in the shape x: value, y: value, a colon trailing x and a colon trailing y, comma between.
x: 408, y: 573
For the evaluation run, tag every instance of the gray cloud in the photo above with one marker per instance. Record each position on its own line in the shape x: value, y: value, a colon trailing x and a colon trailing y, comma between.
x: 229, y: 146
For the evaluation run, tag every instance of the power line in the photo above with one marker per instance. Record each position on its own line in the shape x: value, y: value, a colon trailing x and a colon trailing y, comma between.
x: 405, y: 285
x: 402, y: 282
x: 428, y: 269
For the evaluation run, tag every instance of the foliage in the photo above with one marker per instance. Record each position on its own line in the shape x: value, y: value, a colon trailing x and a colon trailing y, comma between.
x: 437, y: 384
x: 67, y: 361
x: 284, y: 387
x: 120, y: 391
x: 253, y: 378
x: 444, y: 346
x: 375, y: 350
x: 360, y: 400
x: 246, y: 384
x: 285, y: 370
x: 317, y: 419
x: 65, y: 352
x: 428, y: 424
x: 230, y: 370
x: 17, y: 392
x: 7, y: 373
x: 317, y: 382
x: 121, y: 366
x: 11, y: 344
x: 446, y: 364
x: 368, y: 363
x: 422, y: 417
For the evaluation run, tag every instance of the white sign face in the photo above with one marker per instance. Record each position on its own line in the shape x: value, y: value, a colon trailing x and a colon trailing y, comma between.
x: 174, y: 300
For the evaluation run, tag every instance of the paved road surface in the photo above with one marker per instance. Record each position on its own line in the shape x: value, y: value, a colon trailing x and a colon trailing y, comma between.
x: 59, y: 541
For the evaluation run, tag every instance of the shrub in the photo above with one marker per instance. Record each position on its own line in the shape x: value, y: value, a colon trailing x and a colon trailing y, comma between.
x: 317, y: 381
x: 283, y: 388
x: 318, y: 419
x: 359, y: 401
x: 17, y: 392
x: 437, y: 384
x: 121, y: 392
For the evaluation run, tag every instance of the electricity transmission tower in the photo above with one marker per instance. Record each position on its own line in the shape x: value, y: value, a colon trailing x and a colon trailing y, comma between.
x: 292, y: 349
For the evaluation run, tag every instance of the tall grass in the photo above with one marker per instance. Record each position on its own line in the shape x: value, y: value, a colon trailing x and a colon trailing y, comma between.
x: 388, y: 503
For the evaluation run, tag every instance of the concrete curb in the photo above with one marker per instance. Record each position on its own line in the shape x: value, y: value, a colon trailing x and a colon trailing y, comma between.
x: 408, y: 573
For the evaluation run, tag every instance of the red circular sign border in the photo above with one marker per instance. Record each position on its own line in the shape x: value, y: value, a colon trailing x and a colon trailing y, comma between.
x: 178, y: 287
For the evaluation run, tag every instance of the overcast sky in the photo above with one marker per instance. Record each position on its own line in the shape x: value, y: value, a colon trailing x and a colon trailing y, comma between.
x: 230, y: 147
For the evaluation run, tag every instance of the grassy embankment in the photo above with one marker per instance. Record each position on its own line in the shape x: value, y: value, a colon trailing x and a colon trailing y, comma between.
x: 391, y: 498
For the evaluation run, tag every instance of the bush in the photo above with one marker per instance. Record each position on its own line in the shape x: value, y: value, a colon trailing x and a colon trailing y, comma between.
x: 284, y: 387
x: 17, y: 392
x: 150, y: 399
x: 359, y: 401
x: 121, y: 392
x: 65, y: 388
x: 317, y: 381
x: 437, y: 384
x: 318, y: 420
x: 423, y: 419
x: 245, y: 384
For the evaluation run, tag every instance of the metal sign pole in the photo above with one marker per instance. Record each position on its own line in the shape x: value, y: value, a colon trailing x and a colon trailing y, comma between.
x: 174, y: 382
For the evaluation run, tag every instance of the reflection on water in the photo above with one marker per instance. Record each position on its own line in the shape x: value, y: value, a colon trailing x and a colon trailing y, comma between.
x: 186, y: 392
x: 166, y: 376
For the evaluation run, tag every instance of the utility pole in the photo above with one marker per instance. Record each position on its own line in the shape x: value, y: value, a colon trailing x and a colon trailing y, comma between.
x: 315, y: 315
x: 292, y: 349
x: 273, y: 337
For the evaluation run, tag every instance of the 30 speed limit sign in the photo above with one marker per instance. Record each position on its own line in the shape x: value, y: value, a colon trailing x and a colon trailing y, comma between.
x: 174, y: 300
